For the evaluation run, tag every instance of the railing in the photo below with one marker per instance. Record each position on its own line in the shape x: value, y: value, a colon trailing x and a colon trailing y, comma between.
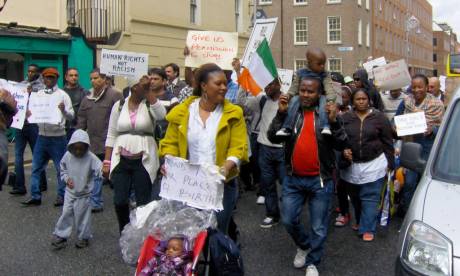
x: 98, y: 19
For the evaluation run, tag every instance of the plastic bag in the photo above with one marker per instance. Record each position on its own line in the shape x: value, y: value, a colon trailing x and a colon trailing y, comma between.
x: 162, y: 219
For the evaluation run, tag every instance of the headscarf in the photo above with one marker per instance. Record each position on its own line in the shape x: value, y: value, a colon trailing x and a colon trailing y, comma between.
x: 431, y: 106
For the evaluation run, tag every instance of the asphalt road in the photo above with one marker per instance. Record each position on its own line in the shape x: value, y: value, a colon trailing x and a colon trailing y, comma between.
x: 25, y: 236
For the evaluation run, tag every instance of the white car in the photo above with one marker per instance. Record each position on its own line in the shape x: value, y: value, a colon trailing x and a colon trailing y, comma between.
x: 429, y: 239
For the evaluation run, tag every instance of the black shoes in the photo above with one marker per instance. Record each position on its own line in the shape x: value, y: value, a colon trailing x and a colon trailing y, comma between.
x: 82, y: 244
x: 97, y: 210
x: 32, y: 202
x: 59, y: 243
x: 17, y: 192
x: 58, y: 202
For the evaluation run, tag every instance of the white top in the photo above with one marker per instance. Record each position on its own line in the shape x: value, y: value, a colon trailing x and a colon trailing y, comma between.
x: 268, y: 113
x: 362, y: 173
x: 201, y: 137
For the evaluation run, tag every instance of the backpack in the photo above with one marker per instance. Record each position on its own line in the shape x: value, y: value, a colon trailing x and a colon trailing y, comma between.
x: 225, y: 255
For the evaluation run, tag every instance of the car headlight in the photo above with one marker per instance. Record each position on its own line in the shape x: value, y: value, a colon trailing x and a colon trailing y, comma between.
x: 427, y: 251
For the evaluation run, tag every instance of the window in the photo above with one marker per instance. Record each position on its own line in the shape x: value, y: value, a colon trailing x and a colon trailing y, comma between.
x: 359, y: 2
x: 238, y: 15
x: 368, y: 35
x: 435, y: 58
x: 360, y: 32
x: 367, y: 4
x: 435, y: 73
x: 334, y: 32
x: 334, y: 1
x: 265, y: 2
x: 301, y: 31
x: 194, y: 11
x: 300, y: 2
x: 299, y: 64
x: 435, y: 41
x: 335, y: 65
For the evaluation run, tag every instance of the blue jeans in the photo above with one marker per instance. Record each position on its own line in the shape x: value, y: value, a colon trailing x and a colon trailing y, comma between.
x: 296, y: 190
x: 28, y: 134
x: 229, y: 203
x: 294, y: 105
x: 47, y: 148
x: 366, y: 199
x: 96, y: 195
x: 271, y: 163
x: 254, y: 159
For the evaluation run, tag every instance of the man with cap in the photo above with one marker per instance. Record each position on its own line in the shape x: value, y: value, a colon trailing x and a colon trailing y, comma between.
x: 51, y: 142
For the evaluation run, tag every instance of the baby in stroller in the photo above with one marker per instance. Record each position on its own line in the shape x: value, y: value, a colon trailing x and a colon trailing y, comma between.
x: 173, y: 257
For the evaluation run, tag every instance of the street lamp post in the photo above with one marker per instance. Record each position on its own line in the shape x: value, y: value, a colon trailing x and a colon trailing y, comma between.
x: 411, y: 23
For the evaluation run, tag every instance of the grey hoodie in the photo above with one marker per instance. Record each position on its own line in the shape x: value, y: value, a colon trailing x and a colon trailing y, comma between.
x: 83, y: 170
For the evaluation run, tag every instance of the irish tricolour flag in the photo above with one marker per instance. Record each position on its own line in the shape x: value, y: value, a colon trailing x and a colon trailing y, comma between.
x: 261, y: 70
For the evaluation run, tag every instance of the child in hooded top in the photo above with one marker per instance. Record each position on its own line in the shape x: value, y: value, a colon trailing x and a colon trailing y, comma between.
x: 79, y: 168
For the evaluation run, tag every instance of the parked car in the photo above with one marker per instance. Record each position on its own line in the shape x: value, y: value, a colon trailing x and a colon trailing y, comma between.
x: 429, y: 239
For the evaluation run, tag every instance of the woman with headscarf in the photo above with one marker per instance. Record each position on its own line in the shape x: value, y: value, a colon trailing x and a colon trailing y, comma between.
x: 361, y: 80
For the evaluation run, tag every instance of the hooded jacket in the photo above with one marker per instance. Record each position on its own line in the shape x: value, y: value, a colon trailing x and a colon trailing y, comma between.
x: 82, y: 170
x: 373, y: 93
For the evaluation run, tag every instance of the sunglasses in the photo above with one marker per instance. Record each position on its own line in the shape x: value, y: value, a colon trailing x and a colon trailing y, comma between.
x: 356, y: 79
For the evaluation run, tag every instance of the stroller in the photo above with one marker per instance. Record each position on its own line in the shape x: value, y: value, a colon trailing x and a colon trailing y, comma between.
x: 150, y: 243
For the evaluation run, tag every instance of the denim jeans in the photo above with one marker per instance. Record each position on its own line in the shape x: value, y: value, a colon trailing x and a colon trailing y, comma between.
x: 47, y: 148
x: 229, y: 203
x: 96, y: 194
x: 294, y: 105
x: 366, y: 199
x: 254, y: 159
x: 271, y: 163
x: 28, y: 134
x: 296, y: 190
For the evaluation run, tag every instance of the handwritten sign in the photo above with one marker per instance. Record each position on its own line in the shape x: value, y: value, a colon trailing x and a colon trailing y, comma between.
x: 44, y: 109
x: 263, y: 28
x: 21, y: 96
x: 125, y: 64
x: 370, y: 65
x: 391, y: 76
x: 211, y: 47
x: 410, y: 124
x: 195, y: 185
x: 285, y: 76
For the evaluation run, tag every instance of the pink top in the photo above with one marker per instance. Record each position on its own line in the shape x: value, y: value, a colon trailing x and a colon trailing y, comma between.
x: 124, y: 152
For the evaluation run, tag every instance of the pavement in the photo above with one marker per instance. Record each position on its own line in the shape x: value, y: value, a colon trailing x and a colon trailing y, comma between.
x: 27, y: 155
x: 26, y: 232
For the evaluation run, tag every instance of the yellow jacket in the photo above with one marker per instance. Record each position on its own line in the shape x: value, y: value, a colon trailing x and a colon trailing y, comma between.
x: 231, y: 139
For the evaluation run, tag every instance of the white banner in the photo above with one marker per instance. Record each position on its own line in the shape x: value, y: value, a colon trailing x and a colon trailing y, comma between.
x: 263, y: 28
x: 285, y: 76
x: 369, y: 66
x: 44, y: 109
x: 125, y: 64
x: 196, y: 185
x: 410, y: 124
x: 19, y: 92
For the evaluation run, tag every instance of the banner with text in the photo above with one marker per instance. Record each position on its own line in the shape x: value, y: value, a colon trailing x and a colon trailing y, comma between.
x: 375, y: 63
x: 44, y: 109
x: 410, y: 124
x: 211, y: 47
x: 196, y: 185
x: 125, y: 64
x: 285, y: 76
x: 391, y: 76
x: 263, y: 28
x: 19, y: 92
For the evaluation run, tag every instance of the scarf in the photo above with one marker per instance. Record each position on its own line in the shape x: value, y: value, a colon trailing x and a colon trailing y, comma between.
x: 431, y: 106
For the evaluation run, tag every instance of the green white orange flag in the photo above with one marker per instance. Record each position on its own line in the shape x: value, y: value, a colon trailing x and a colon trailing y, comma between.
x: 261, y: 70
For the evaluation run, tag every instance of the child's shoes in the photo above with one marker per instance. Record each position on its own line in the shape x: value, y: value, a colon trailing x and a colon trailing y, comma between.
x: 82, y: 243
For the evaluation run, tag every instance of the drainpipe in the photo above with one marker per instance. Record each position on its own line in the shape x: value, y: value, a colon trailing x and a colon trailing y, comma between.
x: 71, y: 13
x: 282, y: 35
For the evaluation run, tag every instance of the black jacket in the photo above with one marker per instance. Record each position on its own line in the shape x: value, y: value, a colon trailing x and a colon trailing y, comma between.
x: 326, y: 143
x: 370, y: 138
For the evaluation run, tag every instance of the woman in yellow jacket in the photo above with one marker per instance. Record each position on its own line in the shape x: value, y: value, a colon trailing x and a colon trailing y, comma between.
x: 207, y: 129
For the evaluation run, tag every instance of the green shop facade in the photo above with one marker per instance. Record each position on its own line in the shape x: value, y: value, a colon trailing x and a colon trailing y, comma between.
x: 21, y: 47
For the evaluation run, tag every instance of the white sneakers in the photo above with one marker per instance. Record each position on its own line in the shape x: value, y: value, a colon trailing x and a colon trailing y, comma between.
x: 300, y: 258
x: 311, y: 271
x: 260, y: 200
x: 326, y: 131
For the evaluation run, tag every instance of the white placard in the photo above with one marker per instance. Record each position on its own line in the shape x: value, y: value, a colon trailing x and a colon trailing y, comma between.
x: 211, y: 47
x: 44, y: 109
x: 21, y: 96
x: 192, y: 184
x: 394, y: 75
x: 410, y: 124
x: 125, y: 64
x: 263, y: 28
x: 285, y: 76
x: 371, y: 64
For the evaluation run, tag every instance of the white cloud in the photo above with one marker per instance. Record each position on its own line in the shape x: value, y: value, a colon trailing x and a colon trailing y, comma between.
x: 447, y: 11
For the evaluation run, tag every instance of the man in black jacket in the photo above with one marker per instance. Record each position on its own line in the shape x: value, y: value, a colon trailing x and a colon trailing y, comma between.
x: 309, y: 172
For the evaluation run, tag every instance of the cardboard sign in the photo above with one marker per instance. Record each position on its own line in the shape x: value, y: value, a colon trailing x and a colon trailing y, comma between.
x: 19, y: 92
x: 369, y: 66
x: 44, y: 109
x: 263, y: 28
x: 195, y: 185
x: 125, y: 64
x: 211, y: 47
x: 285, y: 76
x: 391, y: 76
x: 410, y: 124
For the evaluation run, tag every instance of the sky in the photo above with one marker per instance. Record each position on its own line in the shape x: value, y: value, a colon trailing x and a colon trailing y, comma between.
x: 447, y: 11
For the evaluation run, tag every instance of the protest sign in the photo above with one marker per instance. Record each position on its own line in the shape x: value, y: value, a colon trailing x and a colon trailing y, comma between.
x: 195, y: 185
x: 125, y: 64
x: 391, y: 76
x: 44, y: 109
x: 263, y: 28
x: 285, y: 76
x: 19, y: 92
x: 211, y: 47
x: 409, y: 124
x: 369, y: 66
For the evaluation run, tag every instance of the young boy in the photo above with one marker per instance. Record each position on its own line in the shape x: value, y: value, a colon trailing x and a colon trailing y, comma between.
x: 316, y: 60
x: 79, y: 168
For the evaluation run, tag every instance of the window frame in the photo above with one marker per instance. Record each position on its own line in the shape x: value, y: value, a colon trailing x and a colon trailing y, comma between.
x: 295, y: 31
x: 265, y: 2
x: 360, y: 32
x: 295, y: 3
x: 295, y: 63
x: 332, y: 2
x: 194, y: 12
x: 329, y: 64
x: 329, y: 30
x: 368, y: 35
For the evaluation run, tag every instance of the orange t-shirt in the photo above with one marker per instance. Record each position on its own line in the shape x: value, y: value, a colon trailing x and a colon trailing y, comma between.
x: 305, y: 158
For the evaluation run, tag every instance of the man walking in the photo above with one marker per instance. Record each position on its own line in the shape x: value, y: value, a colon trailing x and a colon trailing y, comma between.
x: 76, y: 94
x: 93, y: 116
x: 309, y: 171
x: 51, y: 142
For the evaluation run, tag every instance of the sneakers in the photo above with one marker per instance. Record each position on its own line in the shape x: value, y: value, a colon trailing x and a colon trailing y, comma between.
x: 341, y: 221
x: 325, y: 131
x: 269, y: 222
x: 300, y: 258
x: 283, y: 132
x: 59, y: 243
x: 311, y: 271
x: 82, y: 244
x: 368, y: 237
x: 260, y: 200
